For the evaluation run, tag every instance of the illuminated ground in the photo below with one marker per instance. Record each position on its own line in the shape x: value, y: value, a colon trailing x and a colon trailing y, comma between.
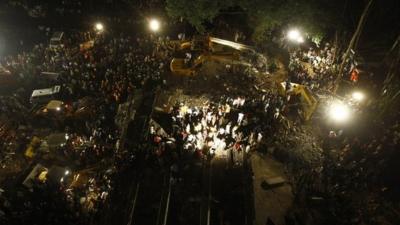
x: 210, y: 85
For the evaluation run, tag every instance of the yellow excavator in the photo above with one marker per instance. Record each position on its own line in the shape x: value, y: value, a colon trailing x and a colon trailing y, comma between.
x: 307, y: 100
x: 200, y: 49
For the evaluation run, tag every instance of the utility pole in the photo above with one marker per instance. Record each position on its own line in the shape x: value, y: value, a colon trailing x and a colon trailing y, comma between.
x: 353, y: 40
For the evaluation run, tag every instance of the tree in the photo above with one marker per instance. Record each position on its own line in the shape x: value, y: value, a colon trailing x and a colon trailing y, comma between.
x: 353, y: 41
x: 264, y: 15
x: 274, y: 14
x: 390, y: 94
x: 196, y: 12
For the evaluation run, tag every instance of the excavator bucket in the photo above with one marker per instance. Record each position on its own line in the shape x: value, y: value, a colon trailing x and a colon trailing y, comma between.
x: 308, y: 101
x: 178, y: 67
x: 312, y: 103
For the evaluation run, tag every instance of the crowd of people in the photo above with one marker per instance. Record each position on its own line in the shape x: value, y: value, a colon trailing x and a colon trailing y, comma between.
x: 7, y: 141
x: 314, y: 67
x: 110, y: 70
x: 90, y: 150
x: 352, y: 161
x: 364, y: 162
x: 10, y: 137
x: 228, y: 127
x: 118, y: 65
x: 89, y: 194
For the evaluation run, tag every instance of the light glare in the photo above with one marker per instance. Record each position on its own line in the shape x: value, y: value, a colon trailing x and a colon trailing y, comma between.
x: 293, y: 35
x: 99, y: 27
x: 358, y: 96
x: 339, y: 112
x: 154, y: 25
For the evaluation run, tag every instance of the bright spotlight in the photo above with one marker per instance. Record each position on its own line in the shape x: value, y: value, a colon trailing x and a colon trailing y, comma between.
x: 339, y: 112
x: 58, y: 108
x: 154, y: 25
x: 99, y: 27
x: 293, y: 35
x: 66, y: 172
x: 358, y: 96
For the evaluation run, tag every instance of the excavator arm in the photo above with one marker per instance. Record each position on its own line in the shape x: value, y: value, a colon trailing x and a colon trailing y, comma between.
x: 208, y: 49
x: 234, y: 45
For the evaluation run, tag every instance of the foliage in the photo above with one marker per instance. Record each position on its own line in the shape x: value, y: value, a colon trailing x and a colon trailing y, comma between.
x: 196, y: 11
x: 311, y: 16
x: 265, y: 16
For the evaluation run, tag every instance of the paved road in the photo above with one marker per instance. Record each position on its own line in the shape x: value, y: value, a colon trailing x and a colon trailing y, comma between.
x: 225, y: 198
x: 125, y: 193
x: 272, y: 202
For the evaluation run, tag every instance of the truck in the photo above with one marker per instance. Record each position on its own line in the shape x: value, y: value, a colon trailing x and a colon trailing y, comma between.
x: 45, y: 95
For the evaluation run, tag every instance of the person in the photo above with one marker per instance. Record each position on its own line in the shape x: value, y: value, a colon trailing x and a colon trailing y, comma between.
x: 236, y: 37
x: 259, y: 137
x: 354, y: 75
x: 181, y: 36
x: 277, y: 113
x: 240, y: 118
x: 188, y: 58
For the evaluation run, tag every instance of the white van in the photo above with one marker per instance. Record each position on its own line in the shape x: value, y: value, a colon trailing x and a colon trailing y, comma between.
x: 45, y: 95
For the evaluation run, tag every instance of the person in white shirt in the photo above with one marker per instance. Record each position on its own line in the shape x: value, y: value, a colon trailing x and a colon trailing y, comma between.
x: 187, y: 58
x: 204, y: 123
x: 247, y: 148
x: 242, y: 101
x: 214, y: 119
x: 236, y: 102
x: 276, y: 115
x: 199, y: 143
x: 259, y: 137
x: 266, y: 107
x: 222, y: 145
x: 227, y: 108
x: 208, y: 117
x: 234, y: 132
x: 188, y: 129
x: 228, y: 128
x: 198, y: 127
x: 191, y: 138
x: 240, y: 118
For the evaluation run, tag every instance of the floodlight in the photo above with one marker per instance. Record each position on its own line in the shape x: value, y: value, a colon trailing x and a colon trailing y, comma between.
x: 99, y: 27
x: 294, y: 35
x: 339, y: 112
x: 154, y: 25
